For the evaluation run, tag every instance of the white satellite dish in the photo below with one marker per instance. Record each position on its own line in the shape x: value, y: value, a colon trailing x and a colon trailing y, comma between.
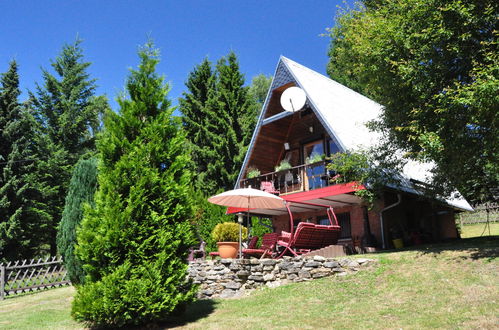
x: 293, y: 99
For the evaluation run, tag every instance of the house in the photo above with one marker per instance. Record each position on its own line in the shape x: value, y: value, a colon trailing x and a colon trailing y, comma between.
x: 333, y: 120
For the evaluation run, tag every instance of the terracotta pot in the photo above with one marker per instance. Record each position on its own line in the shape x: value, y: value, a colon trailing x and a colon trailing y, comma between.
x: 228, y: 249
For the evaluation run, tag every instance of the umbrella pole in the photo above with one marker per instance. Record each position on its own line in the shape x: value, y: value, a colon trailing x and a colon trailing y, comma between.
x: 240, y: 220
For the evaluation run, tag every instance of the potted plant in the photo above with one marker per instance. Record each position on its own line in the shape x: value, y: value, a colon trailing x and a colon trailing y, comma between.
x: 283, y: 165
x: 253, y: 172
x: 227, y: 237
x: 315, y: 157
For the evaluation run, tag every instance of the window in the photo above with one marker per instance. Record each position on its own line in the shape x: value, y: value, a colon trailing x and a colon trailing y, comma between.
x: 332, y: 148
x: 324, y: 221
x: 344, y: 222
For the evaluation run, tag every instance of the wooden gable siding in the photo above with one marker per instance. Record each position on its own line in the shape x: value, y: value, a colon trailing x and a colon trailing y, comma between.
x: 269, y: 145
x: 274, y: 106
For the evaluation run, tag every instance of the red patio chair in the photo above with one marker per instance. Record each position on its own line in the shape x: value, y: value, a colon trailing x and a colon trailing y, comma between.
x: 268, y: 186
x: 266, y: 249
x: 253, y: 242
x: 308, y: 237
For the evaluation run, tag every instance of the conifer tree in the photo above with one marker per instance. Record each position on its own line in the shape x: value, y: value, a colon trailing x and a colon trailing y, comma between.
x: 134, y: 242
x: 19, y: 221
x: 201, y: 83
x: 68, y: 113
x: 229, y: 115
x: 81, y: 191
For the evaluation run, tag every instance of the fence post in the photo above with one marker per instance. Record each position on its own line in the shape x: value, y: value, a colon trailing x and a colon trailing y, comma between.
x: 2, y: 281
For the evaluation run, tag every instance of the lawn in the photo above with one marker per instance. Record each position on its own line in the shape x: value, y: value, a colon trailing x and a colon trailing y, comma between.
x: 480, y: 229
x: 451, y: 285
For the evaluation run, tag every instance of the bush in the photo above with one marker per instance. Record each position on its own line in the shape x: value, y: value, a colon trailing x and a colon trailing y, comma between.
x: 134, y: 243
x: 228, y: 232
x: 261, y: 226
x: 206, y: 217
x: 81, y: 191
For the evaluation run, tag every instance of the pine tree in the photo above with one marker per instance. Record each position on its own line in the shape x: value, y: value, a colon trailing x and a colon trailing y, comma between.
x: 68, y: 113
x: 19, y: 221
x: 228, y: 116
x: 81, y: 191
x: 134, y: 243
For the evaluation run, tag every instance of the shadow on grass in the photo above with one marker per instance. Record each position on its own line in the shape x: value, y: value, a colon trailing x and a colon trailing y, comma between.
x: 478, y: 248
x: 195, y: 311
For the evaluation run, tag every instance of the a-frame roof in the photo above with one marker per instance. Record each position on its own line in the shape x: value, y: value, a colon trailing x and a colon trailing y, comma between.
x: 343, y: 113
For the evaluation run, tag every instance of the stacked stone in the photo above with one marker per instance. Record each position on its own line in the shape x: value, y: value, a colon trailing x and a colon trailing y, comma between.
x: 227, y: 278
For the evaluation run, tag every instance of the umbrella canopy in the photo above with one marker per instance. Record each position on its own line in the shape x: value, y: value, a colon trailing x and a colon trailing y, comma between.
x: 247, y: 198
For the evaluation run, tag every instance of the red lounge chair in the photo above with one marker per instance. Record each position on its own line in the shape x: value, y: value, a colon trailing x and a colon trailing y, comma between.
x: 309, y: 236
x: 252, y: 243
x: 266, y: 249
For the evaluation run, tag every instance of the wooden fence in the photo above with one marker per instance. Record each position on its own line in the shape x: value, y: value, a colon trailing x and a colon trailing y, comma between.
x: 31, y: 275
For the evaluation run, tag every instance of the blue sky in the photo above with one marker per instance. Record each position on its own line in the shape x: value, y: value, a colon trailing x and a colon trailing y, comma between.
x: 33, y: 32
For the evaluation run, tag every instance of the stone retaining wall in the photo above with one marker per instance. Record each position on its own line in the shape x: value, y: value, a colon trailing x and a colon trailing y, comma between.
x: 224, y: 278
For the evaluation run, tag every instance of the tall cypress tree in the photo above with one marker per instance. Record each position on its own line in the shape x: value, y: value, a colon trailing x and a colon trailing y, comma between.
x: 81, y: 192
x: 68, y: 113
x: 19, y: 221
x: 134, y: 243
x: 228, y: 116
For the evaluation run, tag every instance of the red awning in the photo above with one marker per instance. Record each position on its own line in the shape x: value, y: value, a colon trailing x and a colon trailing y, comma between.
x: 337, y: 195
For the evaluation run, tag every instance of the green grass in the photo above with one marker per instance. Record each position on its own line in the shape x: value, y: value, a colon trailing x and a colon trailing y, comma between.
x: 41, y: 310
x: 452, y: 285
x: 480, y: 229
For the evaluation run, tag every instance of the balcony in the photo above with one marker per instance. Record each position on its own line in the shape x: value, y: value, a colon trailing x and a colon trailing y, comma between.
x: 295, y: 179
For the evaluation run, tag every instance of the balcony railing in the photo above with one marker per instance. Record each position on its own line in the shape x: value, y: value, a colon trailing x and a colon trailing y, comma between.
x: 299, y: 178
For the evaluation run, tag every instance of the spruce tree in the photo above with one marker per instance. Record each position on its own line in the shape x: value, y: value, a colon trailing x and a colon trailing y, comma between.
x: 68, y: 113
x: 19, y: 221
x: 201, y: 82
x: 81, y: 192
x: 227, y: 115
x: 233, y: 118
x: 134, y: 242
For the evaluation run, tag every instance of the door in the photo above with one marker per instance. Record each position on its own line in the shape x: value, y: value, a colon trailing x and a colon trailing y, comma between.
x: 313, y: 153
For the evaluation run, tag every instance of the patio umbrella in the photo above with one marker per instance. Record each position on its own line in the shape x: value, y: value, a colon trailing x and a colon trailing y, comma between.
x: 247, y: 198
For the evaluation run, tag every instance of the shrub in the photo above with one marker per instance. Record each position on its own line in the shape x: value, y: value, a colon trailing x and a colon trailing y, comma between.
x: 206, y: 217
x: 134, y: 243
x: 81, y: 191
x: 228, y: 232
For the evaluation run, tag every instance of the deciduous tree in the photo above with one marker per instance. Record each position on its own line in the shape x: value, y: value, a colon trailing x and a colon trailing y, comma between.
x: 434, y: 67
